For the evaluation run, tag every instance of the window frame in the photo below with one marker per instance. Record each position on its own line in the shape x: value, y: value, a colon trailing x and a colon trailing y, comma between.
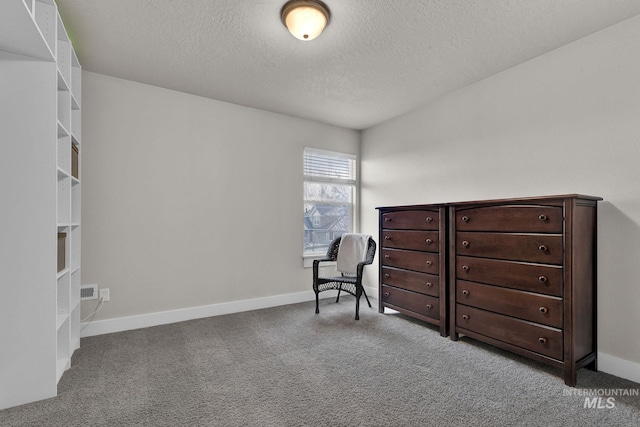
x: 352, y: 182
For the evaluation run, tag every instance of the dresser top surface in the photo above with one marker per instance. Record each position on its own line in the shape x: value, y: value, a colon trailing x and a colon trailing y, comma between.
x: 495, y: 201
x: 559, y: 197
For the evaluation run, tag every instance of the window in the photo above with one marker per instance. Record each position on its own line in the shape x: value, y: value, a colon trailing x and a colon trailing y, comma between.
x: 329, y: 198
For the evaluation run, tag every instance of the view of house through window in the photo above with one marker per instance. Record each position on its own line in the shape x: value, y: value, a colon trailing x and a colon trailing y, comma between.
x: 329, y: 198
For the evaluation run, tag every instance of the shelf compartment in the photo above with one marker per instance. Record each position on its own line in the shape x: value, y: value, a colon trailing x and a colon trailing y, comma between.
x: 63, y: 356
x: 62, y: 251
x: 62, y: 173
x: 75, y: 289
x: 62, y: 84
x: 75, y: 105
x: 62, y: 273
x: 45, y: 17
x: 64, y: 108
x: 64, y: 200
x: 75, y: 202
x: 76, y: 127
x: 76, y: 78
x: 64, y: 151
x: 74, y: 248
x: 74, y: 337
x: 62, y: 292
x: 75, y: 161
x: 62, y: 131
x: 63, y: 52
x: 60, y: 319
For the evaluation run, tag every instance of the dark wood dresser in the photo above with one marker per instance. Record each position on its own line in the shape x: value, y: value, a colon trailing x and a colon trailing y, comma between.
x: 523, y: 277
x: 413, y: 262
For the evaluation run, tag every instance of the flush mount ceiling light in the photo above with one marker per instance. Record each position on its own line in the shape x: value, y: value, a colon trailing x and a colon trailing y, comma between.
x: 305, y: 19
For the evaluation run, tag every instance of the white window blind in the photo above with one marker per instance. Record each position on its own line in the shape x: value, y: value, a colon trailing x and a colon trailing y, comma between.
x: 327, y: 166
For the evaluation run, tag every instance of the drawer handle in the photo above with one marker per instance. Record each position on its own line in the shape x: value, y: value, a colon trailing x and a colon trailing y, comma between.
x: 465, y: 316
x: 543, y: 248
x: 387, y: 238
x: 465, y: 267
x: 429, y: 241
x: 429, y: 219
x: 465, y: 243
x: 387, y: 219
x: 542, y: 340
x: 465, y: 218
x: 543, y: 310
x: 386, y: 275
x: 543, y: 218
x: 386, y: 256
x: 429, y: 263
x: 429, y: 284
x: 543, y: 279
x: 429, y: 306
x: 386, y: 294
x: 465, y: 292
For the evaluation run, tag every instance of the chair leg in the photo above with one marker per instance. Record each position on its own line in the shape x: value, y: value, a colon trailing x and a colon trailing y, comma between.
x: 358, y: 294
x: 339, y: 290
x: 365, y: 295
x: 317, y: 309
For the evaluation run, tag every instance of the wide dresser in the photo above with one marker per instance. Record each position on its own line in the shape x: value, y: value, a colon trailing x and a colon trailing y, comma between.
x: 522, y: 277
x: 412, y: 267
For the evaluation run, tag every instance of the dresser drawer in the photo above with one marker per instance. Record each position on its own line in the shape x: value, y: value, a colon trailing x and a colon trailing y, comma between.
x: 524, y: 305
x: 417, y: 240
x: 418, y: 303
x: 428, y: 284
x: 517, y: 218
x: 411, y: 220
x: 544, y: 279
x: 538, y: 338
x: 426, y: 262
x: 543, y: 248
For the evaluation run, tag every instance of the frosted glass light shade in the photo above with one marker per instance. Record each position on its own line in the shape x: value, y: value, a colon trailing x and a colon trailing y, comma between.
x: 305, y: 19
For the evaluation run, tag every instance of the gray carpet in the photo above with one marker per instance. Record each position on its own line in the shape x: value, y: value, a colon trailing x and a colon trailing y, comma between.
x: 287, y: 366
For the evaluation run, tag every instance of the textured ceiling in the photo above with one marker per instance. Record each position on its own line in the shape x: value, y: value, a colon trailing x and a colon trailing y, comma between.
x: 376, y: 59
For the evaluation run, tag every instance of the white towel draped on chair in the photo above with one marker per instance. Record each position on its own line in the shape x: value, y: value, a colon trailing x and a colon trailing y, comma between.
x: 352, y: 250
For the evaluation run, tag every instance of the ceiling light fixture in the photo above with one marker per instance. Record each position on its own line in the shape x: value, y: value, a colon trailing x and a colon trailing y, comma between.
x: 305, y: 19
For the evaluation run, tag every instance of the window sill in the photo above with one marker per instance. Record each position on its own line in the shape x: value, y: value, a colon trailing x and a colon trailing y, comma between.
x: 307, y: 260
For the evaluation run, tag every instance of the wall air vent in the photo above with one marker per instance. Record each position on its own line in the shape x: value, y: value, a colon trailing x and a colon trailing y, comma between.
x: 88, y: 292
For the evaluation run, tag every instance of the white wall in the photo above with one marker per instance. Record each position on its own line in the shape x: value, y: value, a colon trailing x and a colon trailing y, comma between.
x: 188, y: 201
x: 566, y: 122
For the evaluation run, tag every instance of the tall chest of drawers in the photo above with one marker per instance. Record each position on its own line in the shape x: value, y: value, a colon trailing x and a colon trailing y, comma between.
x: 523, y: 277
x: 413, y: 273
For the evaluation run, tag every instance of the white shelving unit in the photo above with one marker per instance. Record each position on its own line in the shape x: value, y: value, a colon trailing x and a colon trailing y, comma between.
x: 40, y: 98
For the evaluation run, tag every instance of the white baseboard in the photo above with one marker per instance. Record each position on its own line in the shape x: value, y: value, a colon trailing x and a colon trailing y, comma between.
x: 108, y: 326
x: 619, y: 367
